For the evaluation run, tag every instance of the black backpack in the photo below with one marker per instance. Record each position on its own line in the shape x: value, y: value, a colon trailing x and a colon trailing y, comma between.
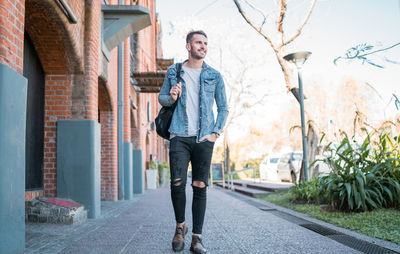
x: 164, y: 118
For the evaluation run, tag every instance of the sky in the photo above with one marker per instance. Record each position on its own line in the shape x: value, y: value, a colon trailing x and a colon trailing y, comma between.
x: 334, y: 27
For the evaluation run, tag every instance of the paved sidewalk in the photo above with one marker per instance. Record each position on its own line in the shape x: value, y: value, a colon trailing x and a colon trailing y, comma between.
x: 146, y: 225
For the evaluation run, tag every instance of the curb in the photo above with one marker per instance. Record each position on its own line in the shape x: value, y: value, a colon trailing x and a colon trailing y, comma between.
x: 265, y: 205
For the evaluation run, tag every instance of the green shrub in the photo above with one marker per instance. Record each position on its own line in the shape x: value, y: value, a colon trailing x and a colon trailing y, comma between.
x: 152, y: 164
x: 387, y: 151
x: 362, y: 177
x: 309, y: 192
x: 163, y: 165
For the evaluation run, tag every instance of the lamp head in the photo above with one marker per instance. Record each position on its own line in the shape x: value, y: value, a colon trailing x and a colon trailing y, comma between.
x: 297, y: 58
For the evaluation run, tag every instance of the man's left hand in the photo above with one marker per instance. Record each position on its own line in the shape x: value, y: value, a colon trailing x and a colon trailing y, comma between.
x: 210, y: 137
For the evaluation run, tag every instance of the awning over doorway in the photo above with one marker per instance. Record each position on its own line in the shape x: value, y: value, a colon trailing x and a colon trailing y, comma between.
x: 121, y: 21
x: 163, y: 64
x: 151, y: 82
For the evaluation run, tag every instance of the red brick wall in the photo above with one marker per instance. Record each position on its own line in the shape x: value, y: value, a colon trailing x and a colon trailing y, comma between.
x: 92, y: 51
x: 58, y: 90
x: 71, y: 57
x: 127, y: 84
x: 109, y: 156
x: 71, y: 90
x: 57, y: 42
x: 147, y: 54
x: 134, y: 130
x: 29, y: 195
x: 109, y: 170
x: 12, y: 33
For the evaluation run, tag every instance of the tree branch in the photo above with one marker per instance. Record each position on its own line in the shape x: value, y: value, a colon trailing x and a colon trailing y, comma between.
x: 298, y: 32
x: 279, y: 22
x: 254, y: 26
x: 240, y: 113
x: 256, y: 9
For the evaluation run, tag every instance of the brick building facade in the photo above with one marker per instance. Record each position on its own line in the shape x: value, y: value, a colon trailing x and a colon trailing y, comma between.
x: 73, y: 62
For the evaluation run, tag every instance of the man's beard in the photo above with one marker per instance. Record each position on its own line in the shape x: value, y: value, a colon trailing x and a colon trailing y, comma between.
x: 196, y: 55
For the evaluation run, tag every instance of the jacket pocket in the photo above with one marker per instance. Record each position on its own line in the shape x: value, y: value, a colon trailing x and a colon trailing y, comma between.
x: 209, y: 85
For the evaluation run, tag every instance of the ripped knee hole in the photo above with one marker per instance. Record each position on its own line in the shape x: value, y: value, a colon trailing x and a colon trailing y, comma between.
x: 178, y: 182
x: 199, y: 184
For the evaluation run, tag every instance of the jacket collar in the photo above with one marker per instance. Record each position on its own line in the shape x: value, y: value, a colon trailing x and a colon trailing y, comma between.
x: 204, y: 66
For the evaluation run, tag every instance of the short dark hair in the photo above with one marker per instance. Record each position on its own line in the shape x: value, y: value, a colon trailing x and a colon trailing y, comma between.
x: 191, y: 33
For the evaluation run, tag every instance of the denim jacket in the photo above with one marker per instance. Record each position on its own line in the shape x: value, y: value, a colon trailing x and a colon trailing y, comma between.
x: 212, y: 88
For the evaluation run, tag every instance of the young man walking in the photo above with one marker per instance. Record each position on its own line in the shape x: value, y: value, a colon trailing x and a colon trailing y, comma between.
x: 193, y: 132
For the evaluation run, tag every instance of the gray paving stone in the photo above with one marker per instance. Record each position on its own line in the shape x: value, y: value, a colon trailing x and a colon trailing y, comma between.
x: 146, y: 225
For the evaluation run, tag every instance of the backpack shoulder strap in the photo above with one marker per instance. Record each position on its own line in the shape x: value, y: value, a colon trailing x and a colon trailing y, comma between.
x: 178, y: 71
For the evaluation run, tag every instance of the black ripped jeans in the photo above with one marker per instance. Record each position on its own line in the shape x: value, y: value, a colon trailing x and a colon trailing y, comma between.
x: 183, y: 150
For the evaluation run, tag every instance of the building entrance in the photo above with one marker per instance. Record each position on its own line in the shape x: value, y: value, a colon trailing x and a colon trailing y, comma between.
x: 33, y: 71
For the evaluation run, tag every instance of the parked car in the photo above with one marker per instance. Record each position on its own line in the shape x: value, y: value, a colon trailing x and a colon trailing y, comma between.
x: 289, y: 165
x: 268, y: 168
x: 320, y: 167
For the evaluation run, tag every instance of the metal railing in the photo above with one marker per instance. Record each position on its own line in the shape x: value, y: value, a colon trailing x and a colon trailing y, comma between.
x: 230, y: 175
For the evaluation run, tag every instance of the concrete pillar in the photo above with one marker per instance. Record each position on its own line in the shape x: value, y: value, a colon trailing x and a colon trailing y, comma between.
x: 78, y: 163
x: 128, y: 170
x: 13, y: 98
x: 138, y: 178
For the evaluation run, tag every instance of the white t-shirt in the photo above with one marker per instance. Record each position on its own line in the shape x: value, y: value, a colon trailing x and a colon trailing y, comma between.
x: 192, y: 81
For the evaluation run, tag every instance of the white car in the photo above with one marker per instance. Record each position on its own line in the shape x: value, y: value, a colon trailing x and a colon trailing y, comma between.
x: 320, y: 167
x: 268, y: 168
x: 289, y: 165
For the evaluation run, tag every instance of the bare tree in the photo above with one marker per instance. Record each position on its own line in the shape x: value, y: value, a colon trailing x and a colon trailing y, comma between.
x: 243, y: 92
x: 278, y: 41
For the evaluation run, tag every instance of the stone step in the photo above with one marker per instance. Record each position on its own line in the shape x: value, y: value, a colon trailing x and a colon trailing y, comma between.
x: 54, y: 211
x: 245, y: 190
x: 269, y: 187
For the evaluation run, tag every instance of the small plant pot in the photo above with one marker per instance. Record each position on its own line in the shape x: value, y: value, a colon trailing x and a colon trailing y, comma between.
x: 164, y: 177
x: 151, y: 179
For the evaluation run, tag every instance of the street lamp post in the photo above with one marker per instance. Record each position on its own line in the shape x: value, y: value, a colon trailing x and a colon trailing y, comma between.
x: 298, y: 59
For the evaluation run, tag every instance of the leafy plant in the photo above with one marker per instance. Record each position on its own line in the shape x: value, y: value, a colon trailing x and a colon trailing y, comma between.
x: 163, y: 165
x: 362, y: 177
x: 152, y: 164
x: 309, y: 192
x: 387, y: 151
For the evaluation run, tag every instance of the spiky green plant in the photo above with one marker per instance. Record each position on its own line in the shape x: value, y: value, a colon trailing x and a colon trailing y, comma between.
x: 363, y: 177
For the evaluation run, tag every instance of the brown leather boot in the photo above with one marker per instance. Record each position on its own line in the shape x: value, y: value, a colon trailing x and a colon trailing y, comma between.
x: 178, y: 242
x: 197, y: 246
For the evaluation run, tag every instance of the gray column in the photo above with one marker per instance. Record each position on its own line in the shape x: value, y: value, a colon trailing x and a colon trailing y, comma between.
x: 13, y: 98
x: 120, y: 124
x: 138, y: 178
x: 78, y: 163
x: 128, y: 178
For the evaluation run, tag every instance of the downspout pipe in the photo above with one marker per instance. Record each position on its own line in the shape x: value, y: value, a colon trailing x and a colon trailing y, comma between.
x: 68, y: 12
x: 121, y: 189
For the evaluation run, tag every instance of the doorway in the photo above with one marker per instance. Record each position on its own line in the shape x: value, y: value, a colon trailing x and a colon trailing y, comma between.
x: 34, y: 139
